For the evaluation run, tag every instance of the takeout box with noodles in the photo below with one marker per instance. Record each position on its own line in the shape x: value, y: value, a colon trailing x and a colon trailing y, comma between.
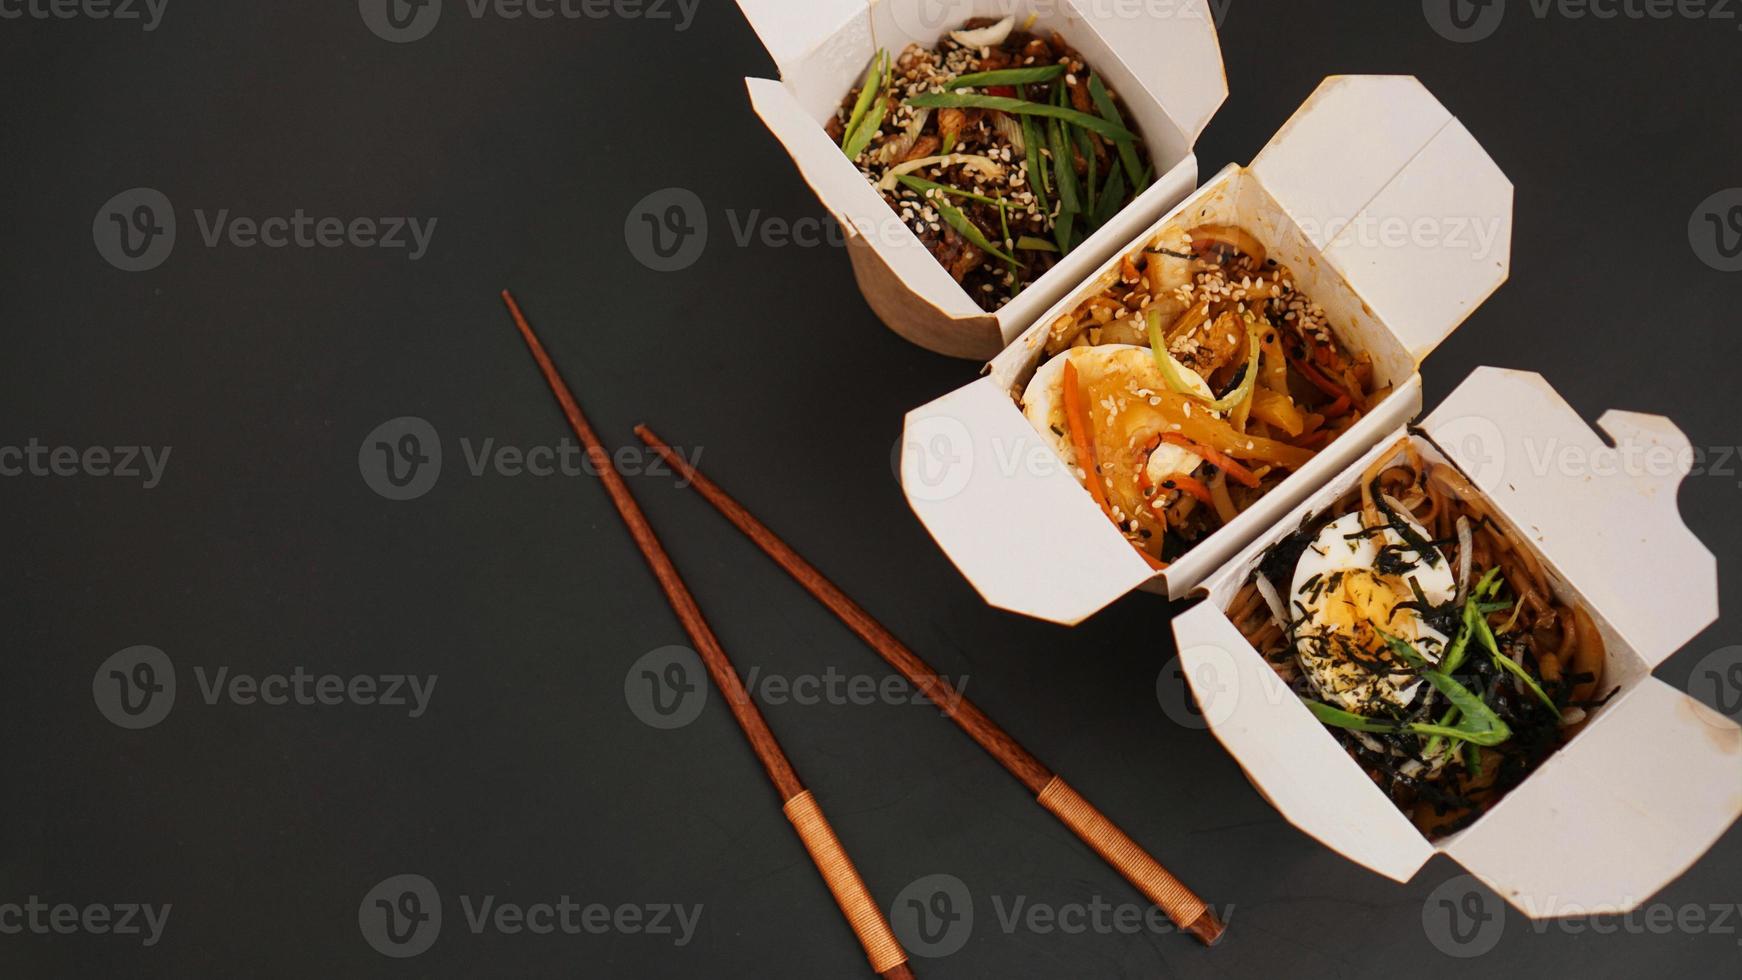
x: 1652, y: 778
x: 1162, y: 59
x: 1391, y: 217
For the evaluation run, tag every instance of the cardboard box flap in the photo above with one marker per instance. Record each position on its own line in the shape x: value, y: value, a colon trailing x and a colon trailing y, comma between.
x: 1633, y: 802
x: 851, y: 199
x: 791, y: 31
x: 1175, y: 54
x: 1605, y: 517
x: 1401, y: 199
x: 1287, y: 753
x: 995, y: 495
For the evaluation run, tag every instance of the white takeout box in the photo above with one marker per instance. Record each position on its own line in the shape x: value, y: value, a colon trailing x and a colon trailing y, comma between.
x: 1390, y: 215
x: 1161, y: 57
x: 1654, y: 778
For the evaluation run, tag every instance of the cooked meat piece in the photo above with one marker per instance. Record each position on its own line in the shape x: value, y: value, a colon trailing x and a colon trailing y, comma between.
x: 958, y: 255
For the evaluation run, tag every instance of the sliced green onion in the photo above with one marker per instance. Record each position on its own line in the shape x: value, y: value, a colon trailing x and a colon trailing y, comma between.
x: 867, y: 93
x: 1039, y: 181
x: 1092, y: 180
x: 1488, y: 585
x: 1339, y: 718
x: 922, y: 185
x: 1170, y: 371
x: 1007, y: 76
x: 954, y: 217
x: 1404, y: 651
x: 1112, y: 197
x: 1020, y: 107
x: 1064, y: 167
x: 1127, y: 151
x: 949, y: 144
x: 1029, y: 243
x: 1481, y: 725
x: 1487, y: 637
x: 867, y: 129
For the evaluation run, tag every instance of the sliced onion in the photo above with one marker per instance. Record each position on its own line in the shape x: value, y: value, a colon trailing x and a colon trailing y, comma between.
x: 1272, y: 599
x: 986, y: 165
x: 897, y: 148
x: 986, y: 37
x: 1464, y: 557
x: 1011, y: 130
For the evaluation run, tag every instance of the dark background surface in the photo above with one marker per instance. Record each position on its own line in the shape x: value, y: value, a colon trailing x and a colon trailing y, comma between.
x: 529, y: 777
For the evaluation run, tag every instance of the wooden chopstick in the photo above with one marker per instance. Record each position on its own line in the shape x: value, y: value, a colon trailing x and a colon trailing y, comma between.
x: 1186, y: 910
x: 863, y: 914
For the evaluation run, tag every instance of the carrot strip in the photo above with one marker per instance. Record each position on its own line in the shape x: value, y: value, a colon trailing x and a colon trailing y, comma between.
x: 1318, y: 380
x: 1220, y: 460
x: 1191, y: 485
x: 1077, y: 421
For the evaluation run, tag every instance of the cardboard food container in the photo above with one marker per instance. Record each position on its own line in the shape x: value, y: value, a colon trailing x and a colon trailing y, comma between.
x: 1166, y: 66
x: 1390, y: 215
x: 1653, y: 779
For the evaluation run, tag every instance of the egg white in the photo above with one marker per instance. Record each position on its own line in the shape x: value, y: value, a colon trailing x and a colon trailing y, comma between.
x: 1043, y: 401
x: 1317, y: 612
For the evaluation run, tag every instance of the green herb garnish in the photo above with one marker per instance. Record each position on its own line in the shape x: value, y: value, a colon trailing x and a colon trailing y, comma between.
x: 1020, y: 107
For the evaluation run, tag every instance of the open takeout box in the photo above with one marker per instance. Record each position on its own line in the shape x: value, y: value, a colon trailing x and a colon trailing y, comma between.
x: 1165, y: 64
x: 1390, y: 215
x: 1654, y: 778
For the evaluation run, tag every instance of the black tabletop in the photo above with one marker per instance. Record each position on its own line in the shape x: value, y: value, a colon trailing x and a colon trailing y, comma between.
x: 402, y: 689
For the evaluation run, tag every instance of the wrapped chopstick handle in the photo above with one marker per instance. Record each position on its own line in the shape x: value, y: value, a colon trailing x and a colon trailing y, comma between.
x: 1187, y: 910
x: 887, y: 957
